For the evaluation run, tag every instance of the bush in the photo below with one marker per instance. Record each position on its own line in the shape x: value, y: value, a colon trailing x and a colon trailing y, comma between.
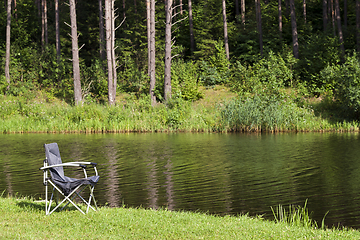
x: 268, y: 77
x: 184, y: 80
x: 346, y: 79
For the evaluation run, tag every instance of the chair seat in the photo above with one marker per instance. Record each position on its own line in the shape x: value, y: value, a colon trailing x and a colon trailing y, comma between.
x: 67, y: 185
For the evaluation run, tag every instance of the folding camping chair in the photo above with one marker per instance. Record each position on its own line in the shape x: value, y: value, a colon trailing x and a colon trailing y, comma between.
x: 66, y: 186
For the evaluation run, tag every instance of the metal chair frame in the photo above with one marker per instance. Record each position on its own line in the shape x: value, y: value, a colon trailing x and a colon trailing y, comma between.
x: 73, y: 194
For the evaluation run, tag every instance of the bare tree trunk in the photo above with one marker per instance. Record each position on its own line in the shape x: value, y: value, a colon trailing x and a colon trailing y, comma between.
x: 341, y: 38
x: 57, y: 30
x: 167, y: 76
x: 101, y: 31
x: 358, y: 25
x: 304, y: 9
x: 42, y: 25
x: 44, y: 30
x: 226, y: 39
x: 325, y: 15
x: 148, y: 35
x: 333, y: 16
x: 151, y: 48
x: 280, y: 19
x: 108, y: 26
x: 7, y: 57
x: 113, y: 56
x: 243, y: 12
x: 75, y: 54
x: 294, y: 30
x: 192, y: 40
x: 258, y: 20
x: 46, y: 25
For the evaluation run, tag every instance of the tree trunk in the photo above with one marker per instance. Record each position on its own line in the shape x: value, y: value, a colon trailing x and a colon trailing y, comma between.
x: 358, y: 25
x: 294, y: 30
x: 333, y: 16
x: 110, y: 69
x: 341, y: 39
x: 7, y: 57
x: 226, y: 39
x: 167, y: 76
x: 304, y: 9
x: 192, y: 40
x: 259, y: 27
x: 44, y: 30
x: 151, y: 48
x: 148, y: 35
x: 113, y: 56
x: 57, y: 30
x: 243, y: 12
x: 280, y: 19
x: 325, y: 15
x: 75, y: 54
x: 101, y: 31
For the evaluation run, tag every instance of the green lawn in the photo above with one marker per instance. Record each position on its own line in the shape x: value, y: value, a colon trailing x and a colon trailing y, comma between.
x: 25, y: 219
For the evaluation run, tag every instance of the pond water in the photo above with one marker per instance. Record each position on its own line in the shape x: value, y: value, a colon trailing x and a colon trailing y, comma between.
x: 214, y: 173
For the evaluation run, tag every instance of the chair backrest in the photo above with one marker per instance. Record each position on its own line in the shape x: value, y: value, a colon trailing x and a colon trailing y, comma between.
x: 53, y: 157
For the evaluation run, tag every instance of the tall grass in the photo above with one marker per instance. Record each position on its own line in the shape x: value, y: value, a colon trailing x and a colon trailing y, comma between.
x: 265, y: 114
x: 255, y: 114
x: 19, y: 116
x: 295, y: 216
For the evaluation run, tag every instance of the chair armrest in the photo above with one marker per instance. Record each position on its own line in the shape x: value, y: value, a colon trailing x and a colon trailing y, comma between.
x: 62, y: 165
x: 84, y: 163
x: 70, y: 164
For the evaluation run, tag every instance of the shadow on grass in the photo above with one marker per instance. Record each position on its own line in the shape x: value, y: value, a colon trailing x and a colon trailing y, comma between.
x: 332, y: 111
x: 39, y: 206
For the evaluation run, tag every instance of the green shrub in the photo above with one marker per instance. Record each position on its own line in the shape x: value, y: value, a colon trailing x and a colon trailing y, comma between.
x: 346, y: 79
x: 268, y: 77
x: 184, y: 80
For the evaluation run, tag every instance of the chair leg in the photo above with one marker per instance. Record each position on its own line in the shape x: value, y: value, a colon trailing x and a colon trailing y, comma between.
x: 68, y: 198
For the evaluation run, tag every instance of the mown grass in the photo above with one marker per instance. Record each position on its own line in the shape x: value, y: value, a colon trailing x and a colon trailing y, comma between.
x: 25, y: 219
x: 219, y: 111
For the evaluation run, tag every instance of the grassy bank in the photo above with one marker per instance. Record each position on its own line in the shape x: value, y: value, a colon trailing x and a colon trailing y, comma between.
x: 218, y: 111
x: 25, y: 219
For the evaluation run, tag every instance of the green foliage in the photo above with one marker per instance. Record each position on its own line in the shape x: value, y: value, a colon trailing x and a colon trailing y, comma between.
x: 346, y: 79
x: 317, y: 52
x: 184, y: 79
x: 214, y: 66
x: 268, y: 77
